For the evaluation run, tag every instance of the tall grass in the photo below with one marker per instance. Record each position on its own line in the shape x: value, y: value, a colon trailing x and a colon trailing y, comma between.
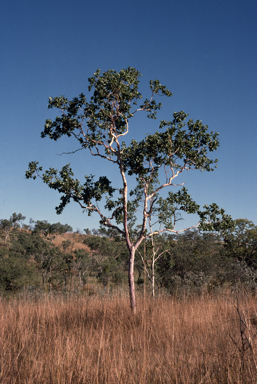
x: 97, y: 340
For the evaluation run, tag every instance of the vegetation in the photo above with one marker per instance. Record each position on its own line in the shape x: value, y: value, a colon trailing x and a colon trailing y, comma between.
x: 13, y: 222
x: 92, y: 340
x: 65, y: 316
x: 189, y: 263
x: 101, y: 127
x: 240, y: 242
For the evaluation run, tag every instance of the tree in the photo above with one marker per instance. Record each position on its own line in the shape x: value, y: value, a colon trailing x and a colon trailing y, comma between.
x: 47, y: 229
x: 240, y: 242
x: 49, y: 259
x: 81, y: 264
x: 15, y: 273
x: 153, y: 250
x: 25, y: 245
x: 108, y: 255
x: 194, y: 262
x: 101, y: 125
x: 13, y: 222
x: 158, y: 244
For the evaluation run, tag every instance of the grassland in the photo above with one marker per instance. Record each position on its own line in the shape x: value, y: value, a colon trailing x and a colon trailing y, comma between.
x: 96, y: 340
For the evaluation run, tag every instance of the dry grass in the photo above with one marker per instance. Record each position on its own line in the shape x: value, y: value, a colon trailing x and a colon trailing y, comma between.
x: 76, y: 239
x: 96, y: 340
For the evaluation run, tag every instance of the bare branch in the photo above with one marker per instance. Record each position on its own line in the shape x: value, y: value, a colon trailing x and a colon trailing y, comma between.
x: 145, y: 267
x: 69, y: 153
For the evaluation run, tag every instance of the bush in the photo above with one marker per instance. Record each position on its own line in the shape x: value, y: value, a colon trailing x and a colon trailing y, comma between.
x: 15, y: 273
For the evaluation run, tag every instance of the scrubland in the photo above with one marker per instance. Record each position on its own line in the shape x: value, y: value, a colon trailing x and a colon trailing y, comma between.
x: 94, y: 339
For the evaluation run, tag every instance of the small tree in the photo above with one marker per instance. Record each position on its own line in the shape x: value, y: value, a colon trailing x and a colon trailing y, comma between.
x: 108, y: 256
x: 193, y: 263
x: 100, y: 125
x: 47, y: 229
x: 157, y: 246
x: 49, y: 259
x: 15, y: 273
x: 82, y: 264
x: 13, y: 222
x: 240, y: 242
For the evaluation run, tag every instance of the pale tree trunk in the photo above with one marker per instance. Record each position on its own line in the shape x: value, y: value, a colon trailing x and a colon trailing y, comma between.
x: 153, y: 259
x: 80, y: 279
x: 6, y: 236
x: 153, y: 278
x: 131, y: 281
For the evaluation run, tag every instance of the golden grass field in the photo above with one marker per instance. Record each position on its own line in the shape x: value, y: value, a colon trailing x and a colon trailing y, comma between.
x: 97, y: 340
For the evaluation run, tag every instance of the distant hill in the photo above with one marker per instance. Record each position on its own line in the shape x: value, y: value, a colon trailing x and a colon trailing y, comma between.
x: 76, y: 239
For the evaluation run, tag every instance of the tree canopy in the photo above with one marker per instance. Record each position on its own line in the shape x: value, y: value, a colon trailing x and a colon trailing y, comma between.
x: 240, y: 242
x: 100, y: 126
x: 13, y: 222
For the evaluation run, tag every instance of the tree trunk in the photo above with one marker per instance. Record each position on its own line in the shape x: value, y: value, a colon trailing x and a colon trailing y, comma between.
x: 43, y: 280
x: 6, y: 236
x: 153, y: 279
x: 80, y: 279
x: 131, y: 281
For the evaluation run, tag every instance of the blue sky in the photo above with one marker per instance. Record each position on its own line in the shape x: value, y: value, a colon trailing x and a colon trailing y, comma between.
x: 205, y: 52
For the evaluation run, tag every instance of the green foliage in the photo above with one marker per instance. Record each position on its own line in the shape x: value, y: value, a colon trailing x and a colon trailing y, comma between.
x: 13, y: 222
x: 240, y: 242
x: 193, y: 262
x: 200, y: 263
x: 15, y: 273
x: 4, y: 251
x: 45, y: 228
x: 16, y: 219
x: 48, y: 260
x: 25, y: 245
x: 83, y: 264
x: 66, y: 244
x: 107, y: 247
x: 184, y: 145
x: 176, y: 148
x: 100, y: 126
x: 109, y: 258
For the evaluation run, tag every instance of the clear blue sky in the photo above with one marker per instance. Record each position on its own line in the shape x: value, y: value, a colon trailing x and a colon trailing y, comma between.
x: 205, y: 52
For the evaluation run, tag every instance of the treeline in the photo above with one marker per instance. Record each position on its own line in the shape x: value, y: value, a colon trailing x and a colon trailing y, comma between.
x: 51, y: 257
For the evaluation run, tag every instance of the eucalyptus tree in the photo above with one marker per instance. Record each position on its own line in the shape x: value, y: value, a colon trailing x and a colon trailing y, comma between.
x: 13, y: 222
x: 82, y: 264
x: 49, y: 260
x: 47, y: 229
x: 240, y: 242
x: 108, y: 255
x: 193, y: 262
x: 156, y: 247
x: 15, y: 273
x: 101, y: 126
